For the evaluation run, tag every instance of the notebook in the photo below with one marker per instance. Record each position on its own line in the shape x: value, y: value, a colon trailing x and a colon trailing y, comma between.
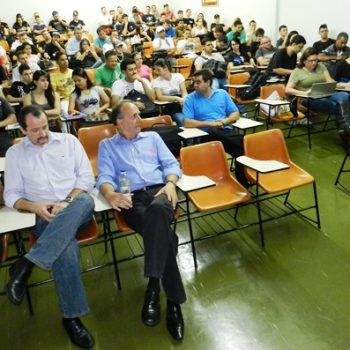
x: 320, y: 90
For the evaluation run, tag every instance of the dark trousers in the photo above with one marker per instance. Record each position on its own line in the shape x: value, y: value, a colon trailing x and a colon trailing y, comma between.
x: 5, y: 143
x: 152, y: 218
x: 233, y: 145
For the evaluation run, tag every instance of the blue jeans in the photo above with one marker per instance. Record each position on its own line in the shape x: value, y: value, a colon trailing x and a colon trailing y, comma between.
x: 179, y: 119
x: 58, y: 250
x: 219, y: 83
x: 329, y: 104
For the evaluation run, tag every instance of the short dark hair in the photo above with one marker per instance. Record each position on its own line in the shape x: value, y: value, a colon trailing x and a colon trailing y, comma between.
x: 35, y: 110
x: 162, y: 63
x: 298, y: 39
x: 22, y: 68
x: 58, y: 55
x: 206, y: 74
x: 237, y: 22
x: 110, y: 53
x: 117, y: 111
x: 282, y: 26
x: 343, y: 35
x: 124, y: 64
x: 305, y: 55
x: 323, y: 26
x: 260, y: 32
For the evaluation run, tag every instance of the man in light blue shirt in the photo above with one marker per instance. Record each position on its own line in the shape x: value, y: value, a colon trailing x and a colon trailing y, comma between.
x: 149, y: 210
x: 73, y: 44
x: 49, y: 174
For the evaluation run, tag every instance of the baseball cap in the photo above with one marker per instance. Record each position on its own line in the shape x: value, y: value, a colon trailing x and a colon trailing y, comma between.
x: 118, y: 43
x: 159, y: 29
x: 55, y: 34
x: 54, y: 13
x: 75, y: 13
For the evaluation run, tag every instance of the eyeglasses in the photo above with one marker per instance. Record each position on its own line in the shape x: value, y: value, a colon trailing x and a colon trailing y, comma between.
x: 312, y: 61
x: 266, y: 42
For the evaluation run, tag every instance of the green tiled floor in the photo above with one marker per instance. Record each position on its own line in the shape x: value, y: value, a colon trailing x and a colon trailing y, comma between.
x: 294, y: 295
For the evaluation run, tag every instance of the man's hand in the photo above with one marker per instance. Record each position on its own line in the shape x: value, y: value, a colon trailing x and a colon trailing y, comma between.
x: 119, y: 201
x: 170, y: 191
x: 44, y: 210
x: 58, y: 207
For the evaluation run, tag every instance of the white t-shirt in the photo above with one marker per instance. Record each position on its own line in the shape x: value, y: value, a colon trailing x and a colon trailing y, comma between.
x: 121, y: 87
x: 89, y: 103
x: 163, y: 44
x: 188, y: 47
x: 169, y: 87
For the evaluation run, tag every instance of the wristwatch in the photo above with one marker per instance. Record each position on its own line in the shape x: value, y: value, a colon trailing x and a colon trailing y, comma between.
x: 68, y: 199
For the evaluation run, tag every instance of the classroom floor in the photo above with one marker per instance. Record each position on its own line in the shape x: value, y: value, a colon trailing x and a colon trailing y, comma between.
x: 294, y: 295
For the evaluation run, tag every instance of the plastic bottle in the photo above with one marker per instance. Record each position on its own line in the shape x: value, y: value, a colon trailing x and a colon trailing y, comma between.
x: 124, y: 182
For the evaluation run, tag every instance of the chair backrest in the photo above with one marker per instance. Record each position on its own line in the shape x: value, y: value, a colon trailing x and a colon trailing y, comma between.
x: 88, y: 36
x: 237, y: 79
x: 205, y: 159
x: 90, y: 137
x: 267, y: 145
x: 267, y: 90
x: 149, y: 122
x: 185, y: 61
x: 147, y: 49
x: 91, y: 74
x: 5, y: 45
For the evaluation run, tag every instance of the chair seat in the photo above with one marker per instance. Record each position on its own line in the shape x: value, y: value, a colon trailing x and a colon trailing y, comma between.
x: 283, y: 117
x: 122, y: 225
x: 273, y: 182
x: 85, y: 235
x: 224, y: 194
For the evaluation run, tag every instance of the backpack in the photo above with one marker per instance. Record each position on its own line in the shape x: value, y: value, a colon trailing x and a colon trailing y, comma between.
x: 169, y: 134
x: 218, y: 68
x: 253, y: 90
x: 150, y: 109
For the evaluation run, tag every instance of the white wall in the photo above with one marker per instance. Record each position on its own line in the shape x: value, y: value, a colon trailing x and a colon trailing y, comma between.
x: 302, y: 15
x: 262, y: 11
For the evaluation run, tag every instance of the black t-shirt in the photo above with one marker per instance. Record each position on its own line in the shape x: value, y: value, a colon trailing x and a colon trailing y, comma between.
x: 50, y: 49
x: 5, y: 109
x: 20, y: 28
x: 57, y: 26
x: 19, y: 89
x: 131, y: 27
x: 282, y: 60
x: 149, y: 18
x: 73, y: 24
x: 319, y: 46
x: 189, y: 21
x: 342, y: 71
x: 3, y: 75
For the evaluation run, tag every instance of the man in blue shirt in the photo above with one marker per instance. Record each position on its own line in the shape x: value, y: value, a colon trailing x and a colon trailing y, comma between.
x: 214, y: 111
x: 149, y: 209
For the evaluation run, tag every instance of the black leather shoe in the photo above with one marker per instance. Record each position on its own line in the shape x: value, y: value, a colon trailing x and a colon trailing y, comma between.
x: 150, y: 314
x: 19, y: 274
x: 77, y: 332
x: 175, y: 322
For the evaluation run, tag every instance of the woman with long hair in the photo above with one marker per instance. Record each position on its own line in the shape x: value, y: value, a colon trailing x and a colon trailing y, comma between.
x: 87, y: 56
x: 87, y: 98
x: 170, y: 87
x: 44, y: 96
x: 236, y: 57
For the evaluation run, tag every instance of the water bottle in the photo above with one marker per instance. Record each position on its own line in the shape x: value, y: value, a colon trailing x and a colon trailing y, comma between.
x: 124, y: 183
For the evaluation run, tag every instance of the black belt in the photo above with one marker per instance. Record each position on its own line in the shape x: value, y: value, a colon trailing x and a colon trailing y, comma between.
x: 146, y: 188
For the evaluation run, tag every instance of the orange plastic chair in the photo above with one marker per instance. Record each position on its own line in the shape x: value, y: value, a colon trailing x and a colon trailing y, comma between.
x: 286, y: 117
x: 91, y: 74
x: 5, y: 45
x: 270, y: 145
x: 159, y: 119
x: 90, y: 137
x: 209, y: 159
x: 147, y: 49
x: 185, y: 71
x: 238, y: 79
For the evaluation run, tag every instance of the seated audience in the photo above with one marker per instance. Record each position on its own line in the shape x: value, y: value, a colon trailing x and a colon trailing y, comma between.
x: 49, y: 174
x: 44, y: 97
x: 143, y: 70
x: 188, y: 46
x: 51, y: 45
x: 236, y: 58
x: 265, y: 52
x: 73, y: 44
x: 283, y: 32
x: 87, y: 57
x: 214, y: 111
x: 132, y: 85
x: 285, y: 59
x: 22, y: 58
x: 87, y: 98
x: 7, y: 116
x: 76, y: 22
x: 335, y: 53
x: 109, y: 72
x: 101, y: 40
x: 310, y: 71
x: 324, y: 41
x: 21, y: 26
x: 170, y: 87
x: 149, y: 209
x: 57, y: 24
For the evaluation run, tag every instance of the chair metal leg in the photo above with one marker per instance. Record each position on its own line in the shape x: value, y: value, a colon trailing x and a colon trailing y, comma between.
x: 316, y: 206
x: 261, y: 230
x: 191, y: 232
x: 29, y: 301
x: 342, y: 167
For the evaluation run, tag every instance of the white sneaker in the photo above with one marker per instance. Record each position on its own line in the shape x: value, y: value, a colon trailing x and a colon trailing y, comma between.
x: 301, y: 122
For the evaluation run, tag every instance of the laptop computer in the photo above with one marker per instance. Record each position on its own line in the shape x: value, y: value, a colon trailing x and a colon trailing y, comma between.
x: 320, y: 90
